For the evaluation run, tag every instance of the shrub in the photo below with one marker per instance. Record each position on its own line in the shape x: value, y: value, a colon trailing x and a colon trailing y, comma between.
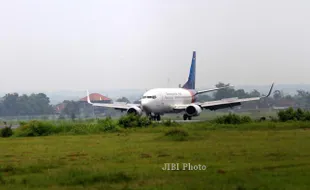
x: 177, y: 134
x: 232, y: 119
x: 131, y: 120
x: 245, y: 119
x: 143, y: 122
x: 286, y: 115
x: 6, y: 132
x: 106, y: 124
x: 83, y: 128
x: 296, y: 115
x: 36, y: 128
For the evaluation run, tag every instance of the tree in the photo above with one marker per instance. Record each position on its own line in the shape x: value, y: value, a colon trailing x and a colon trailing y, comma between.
x: 35, y: 104
x: 277, y: 95
x: 71, y: 109
x: 204, y: 98
x: 240, y: 93
x: 137, y: 102
x: 123, y: 99
x: 302, y: 98
x: 302, y: 93
x: 289, y: 97
x: 10, y: 105
x: 223, y: 93
x: 254, y: 93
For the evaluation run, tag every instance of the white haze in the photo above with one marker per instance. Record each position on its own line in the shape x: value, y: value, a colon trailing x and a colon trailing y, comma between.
x: 76, y: 45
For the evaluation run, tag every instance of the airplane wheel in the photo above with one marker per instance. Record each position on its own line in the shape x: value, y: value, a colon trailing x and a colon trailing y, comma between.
x: 189, y: 118
x: 184, y: 117
x: 158, y: 117
x: 151, y: 117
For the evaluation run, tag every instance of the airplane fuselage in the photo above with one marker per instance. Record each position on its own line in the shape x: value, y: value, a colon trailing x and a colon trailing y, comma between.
x: 162, y: 100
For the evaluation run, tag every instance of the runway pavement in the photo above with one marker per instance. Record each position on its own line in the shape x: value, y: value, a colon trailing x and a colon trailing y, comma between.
x: 13, y: 126
x: 187, y: 121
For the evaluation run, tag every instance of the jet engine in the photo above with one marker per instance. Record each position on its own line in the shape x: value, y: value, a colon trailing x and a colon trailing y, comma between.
x: 134, y: 110
x: 193, y: 110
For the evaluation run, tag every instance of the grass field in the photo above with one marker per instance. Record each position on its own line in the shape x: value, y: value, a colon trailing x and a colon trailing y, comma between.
x: 238, y: 159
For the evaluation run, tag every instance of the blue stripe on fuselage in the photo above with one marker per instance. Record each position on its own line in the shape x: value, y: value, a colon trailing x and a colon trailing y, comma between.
x: 193, y: 94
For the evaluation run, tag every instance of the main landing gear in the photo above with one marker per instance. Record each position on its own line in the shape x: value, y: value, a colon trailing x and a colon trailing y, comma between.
x: 185, y: 117
x: 155, y: 117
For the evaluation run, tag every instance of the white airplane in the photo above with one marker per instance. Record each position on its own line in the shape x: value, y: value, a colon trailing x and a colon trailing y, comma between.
x: 159, y: 101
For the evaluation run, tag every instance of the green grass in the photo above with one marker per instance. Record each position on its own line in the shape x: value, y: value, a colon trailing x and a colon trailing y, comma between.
x: 252, y: 156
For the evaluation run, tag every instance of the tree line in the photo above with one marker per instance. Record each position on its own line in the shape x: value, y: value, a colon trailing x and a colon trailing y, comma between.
x: 14, y: 104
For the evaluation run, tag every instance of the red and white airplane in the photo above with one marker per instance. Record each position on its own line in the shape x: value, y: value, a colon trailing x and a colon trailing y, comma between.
x: 159, y: 101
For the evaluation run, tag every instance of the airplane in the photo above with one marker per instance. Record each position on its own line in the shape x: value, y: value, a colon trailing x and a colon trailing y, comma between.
x: 159, y: 101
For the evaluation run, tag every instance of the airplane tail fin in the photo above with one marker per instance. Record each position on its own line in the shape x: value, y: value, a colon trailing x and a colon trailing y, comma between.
x: 190, y: 84
x: 88, y: 99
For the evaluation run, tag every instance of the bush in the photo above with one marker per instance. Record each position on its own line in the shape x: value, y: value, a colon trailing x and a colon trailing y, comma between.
x: 177, y: 134
x: 144, y: 122
x: 36, y: 128
x: 106, y: 124
x: 44, y: 128
x: 131, y: 120
x: 232, y: 119
x: 6, y: 132
x: 293, y: 115
x: 286, y: 115
x: 83, y: 128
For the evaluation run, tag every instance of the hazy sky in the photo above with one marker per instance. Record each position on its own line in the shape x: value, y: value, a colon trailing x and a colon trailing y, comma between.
x: 97, y: 44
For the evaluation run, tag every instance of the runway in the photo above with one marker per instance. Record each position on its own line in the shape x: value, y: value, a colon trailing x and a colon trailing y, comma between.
x: 186, y: 121
x: 13, y: 126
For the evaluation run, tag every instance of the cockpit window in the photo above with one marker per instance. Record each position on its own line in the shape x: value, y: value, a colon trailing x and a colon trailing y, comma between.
x: 149, y: 97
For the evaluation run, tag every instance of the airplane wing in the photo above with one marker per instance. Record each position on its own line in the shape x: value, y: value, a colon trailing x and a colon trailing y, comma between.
x: 212, y: 89
x: 118, y: 106
x: 224, y: 103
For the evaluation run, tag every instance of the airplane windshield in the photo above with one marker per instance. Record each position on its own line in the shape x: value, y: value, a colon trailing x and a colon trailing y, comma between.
x: 149, y: 97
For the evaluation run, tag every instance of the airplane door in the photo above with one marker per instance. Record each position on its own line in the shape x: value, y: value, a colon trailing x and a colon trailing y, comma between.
x: 162, y: 99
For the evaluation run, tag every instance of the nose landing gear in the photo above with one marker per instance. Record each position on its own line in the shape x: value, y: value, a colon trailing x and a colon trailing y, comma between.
x: 155, y: 117
x: 185, y: 117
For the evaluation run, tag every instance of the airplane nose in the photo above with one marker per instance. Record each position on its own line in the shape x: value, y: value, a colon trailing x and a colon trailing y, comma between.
x: 145, y: 105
